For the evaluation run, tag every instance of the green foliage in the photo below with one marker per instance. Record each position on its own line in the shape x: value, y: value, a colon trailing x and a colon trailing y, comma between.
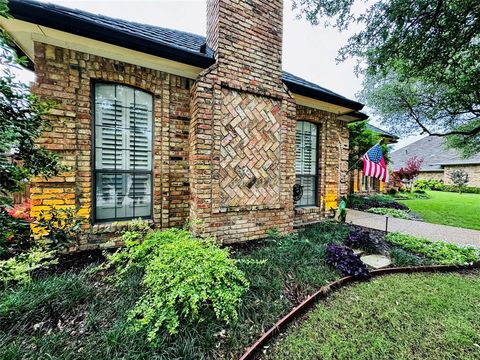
x: 14, y: 233
x: 461, y: 189
x: 21, y: 123
x: 18, y: 269
x: 184, y: 277
x: 420, y: 60
x: 429, y: 184
x: 468, y: 145
x: 60, y: 226
x: 361, y: 139
x: 439, y: 251
x: 440, y: 186
x: 401, y: 257
x: 36, y: 301
x: 396, y: 213
x: 93, y: 324
x: 373, y: 201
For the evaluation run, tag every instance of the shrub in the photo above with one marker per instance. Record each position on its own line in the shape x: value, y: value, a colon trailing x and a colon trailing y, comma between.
x: 59, y: 227
x: 19, y: 268
x: 361, y: 239
x: 14, y: 233
x: 346, y: 262
x: 392, y: 191
x: 184, y: 278
x: 439, y: 251
x: 401, y: 214
x: 462, y: 189
x: 459, y: 177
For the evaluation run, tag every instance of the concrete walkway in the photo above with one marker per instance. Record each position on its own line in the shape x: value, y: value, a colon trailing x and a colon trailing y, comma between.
x: 417, y: 228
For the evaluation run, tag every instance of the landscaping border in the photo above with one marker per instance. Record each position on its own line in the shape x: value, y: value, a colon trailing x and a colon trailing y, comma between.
x: 328, y: 289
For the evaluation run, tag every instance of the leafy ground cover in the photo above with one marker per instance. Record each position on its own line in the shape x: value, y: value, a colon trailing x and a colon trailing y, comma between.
x: 75, y: 311
x: 461, y: 210
x: 417, y: 316
x: 401, y: 214
x: 80, y: 314
x: 440, y: 252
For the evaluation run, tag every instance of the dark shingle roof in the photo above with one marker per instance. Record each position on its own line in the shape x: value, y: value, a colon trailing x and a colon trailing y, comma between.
x: 381, y: 131
x: 433, y: 152
x: 168, y: 43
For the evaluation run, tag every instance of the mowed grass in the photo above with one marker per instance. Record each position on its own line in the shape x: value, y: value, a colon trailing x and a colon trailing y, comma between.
x: 418, y: 316
x: 83, y: 315
x: 447, y: 208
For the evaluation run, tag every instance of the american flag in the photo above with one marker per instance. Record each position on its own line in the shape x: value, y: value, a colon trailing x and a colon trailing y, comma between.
x: 374, y: 164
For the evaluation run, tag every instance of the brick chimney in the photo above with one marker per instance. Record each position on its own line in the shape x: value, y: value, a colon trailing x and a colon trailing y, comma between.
x: 242, y: 129
x: 246, y: 37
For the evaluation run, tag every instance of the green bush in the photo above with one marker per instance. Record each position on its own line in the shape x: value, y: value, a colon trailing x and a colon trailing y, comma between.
x: 439, y: 251
x: 392, y: 191
x: 462, y: 189
x: 429, y: 185
x: 440, y: 186
x: 401, y: 214
x: 18, y: 269
x: 184, y: 278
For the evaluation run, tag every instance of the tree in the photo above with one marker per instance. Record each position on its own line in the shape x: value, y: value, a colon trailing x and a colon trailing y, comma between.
x: 459, y: 177
x: 21, y: 123
x: 420, y: 61
x: 408, y: 173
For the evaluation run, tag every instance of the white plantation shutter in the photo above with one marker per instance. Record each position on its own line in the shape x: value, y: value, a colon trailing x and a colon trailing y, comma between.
x: 306, y: 162
x: 123, y: 152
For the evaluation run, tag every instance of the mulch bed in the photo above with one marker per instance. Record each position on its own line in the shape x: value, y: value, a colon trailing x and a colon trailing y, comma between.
x: 76, y: 261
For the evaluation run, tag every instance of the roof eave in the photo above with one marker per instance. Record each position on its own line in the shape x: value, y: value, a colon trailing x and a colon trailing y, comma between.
x: 33, y: 13
x: 323, y: 96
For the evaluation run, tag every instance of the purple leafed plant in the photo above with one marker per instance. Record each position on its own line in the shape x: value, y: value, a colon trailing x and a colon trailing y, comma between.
x: 346, y: 262
x: 360, y: 239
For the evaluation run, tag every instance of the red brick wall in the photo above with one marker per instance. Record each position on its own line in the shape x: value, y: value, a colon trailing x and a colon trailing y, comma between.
x: 66, y: 76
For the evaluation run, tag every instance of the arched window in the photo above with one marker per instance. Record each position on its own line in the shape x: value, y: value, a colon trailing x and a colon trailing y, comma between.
x: 123, y: 138
x: 306, y: 167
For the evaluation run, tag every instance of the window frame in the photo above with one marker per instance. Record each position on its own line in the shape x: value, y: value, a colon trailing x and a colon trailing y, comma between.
x: 95, y: 171
x: 317, y: 164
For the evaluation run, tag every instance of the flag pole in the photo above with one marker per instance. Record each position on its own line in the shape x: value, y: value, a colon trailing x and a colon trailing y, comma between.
x: 356, y: 162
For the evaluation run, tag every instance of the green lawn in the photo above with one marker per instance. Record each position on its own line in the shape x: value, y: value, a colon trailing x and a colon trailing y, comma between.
x: 462, y: 210
x: 418, y: 316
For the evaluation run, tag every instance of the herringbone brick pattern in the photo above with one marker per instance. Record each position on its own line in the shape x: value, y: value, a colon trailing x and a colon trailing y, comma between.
x: 250, y: 150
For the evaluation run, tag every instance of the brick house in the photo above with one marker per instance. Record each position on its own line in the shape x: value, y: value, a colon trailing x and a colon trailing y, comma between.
x: 171, y: 126
x: 438, y: 160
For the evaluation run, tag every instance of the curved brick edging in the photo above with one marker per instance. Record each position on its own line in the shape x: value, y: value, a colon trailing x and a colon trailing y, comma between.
x: 327, y: 289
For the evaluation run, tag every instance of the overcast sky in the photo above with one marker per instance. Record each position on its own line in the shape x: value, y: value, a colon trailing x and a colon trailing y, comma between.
x: 308, y: 51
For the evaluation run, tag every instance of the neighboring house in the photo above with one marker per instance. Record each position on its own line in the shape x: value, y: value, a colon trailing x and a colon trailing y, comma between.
x: 175, y: 127
x: 438, y: 161
x: 368, y: 184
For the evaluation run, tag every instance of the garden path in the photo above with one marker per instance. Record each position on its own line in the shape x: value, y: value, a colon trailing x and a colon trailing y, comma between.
x: 430, y: 231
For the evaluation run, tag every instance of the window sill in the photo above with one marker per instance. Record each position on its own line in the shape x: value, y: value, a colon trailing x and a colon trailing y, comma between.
x: 114, y: 226
x: 307, y: 210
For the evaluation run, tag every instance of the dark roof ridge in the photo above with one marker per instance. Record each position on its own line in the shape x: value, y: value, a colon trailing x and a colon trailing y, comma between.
x: 171, y: 44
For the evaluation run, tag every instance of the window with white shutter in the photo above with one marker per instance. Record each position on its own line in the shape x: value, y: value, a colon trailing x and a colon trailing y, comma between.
x: 306, y: 162
x: 123, y: 152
